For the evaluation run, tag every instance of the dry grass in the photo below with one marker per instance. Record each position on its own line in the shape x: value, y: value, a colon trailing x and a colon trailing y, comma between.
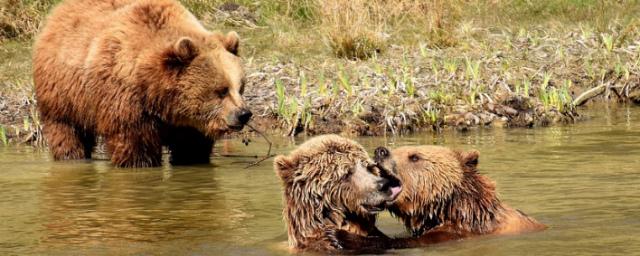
x: 359, y: 29
x: 353, y: 29
x: 21, y: 18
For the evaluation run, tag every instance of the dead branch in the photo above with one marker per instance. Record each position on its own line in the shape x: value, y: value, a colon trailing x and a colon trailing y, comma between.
x: 269, y: 155
x: 591, y: 93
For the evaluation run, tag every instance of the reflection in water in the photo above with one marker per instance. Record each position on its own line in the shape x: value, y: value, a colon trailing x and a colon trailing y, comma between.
x: 582, y: 180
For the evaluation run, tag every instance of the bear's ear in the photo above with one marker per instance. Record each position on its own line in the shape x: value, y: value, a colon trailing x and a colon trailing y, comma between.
x: 182, y: 52
x: 284, y: 168
x: 470, y: 159
x: 232, y: 42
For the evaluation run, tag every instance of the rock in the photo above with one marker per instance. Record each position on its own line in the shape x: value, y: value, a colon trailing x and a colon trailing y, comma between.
x: 500, y: 122
x: 471, y: 119
x: 485, y: 118
x: 509, y: 111
x: 635, y: 97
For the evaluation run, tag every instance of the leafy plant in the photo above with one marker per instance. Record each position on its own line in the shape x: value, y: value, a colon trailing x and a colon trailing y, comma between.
x: 344, y: 81
x: 3, y: 136
x: 473, y: 69
x: 608, y: 42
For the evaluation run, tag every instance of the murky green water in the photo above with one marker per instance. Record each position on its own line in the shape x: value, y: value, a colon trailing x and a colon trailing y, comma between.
x: 582, y: 180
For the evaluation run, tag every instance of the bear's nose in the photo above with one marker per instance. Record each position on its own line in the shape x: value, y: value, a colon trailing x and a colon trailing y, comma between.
x: 244, y: 115
x: 383, y: 184
x: 381, y: 153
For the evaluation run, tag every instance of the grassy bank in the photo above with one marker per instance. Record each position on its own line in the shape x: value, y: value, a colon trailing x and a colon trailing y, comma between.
x: 389, y: 67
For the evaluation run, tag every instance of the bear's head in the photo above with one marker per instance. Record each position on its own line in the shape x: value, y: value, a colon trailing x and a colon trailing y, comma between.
x: 331, y: 181
x: 204, y: 84
x: 440, y: 185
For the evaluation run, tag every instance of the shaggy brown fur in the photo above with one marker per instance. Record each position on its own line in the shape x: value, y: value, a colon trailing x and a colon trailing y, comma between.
x: 140, y: 73
x: 445, y: 192
x: 330, y: 183
x: 444, y: 198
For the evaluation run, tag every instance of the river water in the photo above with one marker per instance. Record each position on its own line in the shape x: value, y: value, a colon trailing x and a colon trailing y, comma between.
x: 582, y: 180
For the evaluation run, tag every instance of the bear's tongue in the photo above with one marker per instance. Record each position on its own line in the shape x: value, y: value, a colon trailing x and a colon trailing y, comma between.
x: 395, y: 191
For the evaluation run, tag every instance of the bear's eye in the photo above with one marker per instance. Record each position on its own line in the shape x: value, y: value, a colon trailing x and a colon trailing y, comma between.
x: 223, y: 92
x: 347, y: 176
x: 414, y: 158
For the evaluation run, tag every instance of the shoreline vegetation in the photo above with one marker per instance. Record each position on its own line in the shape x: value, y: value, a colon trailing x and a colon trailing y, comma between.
x: 386, y: 67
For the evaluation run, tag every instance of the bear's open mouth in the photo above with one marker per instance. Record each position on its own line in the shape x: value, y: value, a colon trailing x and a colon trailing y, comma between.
x: 384, y: 204
x: 395, y: 191
x: 375, y: 208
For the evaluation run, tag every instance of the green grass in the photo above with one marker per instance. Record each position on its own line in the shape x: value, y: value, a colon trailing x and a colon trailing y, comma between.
x: 3, y: 135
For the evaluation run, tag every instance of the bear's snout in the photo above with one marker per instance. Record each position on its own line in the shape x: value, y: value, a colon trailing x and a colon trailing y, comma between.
x: 240, y: 118
x: 389, y: 185
x: 244, y: 115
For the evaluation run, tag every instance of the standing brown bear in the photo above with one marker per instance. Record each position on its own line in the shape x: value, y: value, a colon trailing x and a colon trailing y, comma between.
x: 444, y: 198
x: 330, y: 184
x: 140, y: 73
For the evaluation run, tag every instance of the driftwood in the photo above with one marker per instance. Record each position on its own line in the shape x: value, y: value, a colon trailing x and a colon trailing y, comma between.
x: 589, y: 94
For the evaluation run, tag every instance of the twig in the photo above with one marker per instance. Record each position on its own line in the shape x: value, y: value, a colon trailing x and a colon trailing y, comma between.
x: 236, y: 156
x: 269, y: 155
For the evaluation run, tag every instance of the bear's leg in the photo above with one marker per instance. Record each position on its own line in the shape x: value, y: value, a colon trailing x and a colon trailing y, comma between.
x: 188, y: 146
x: 66, y: 142
x: 135, y: 148
x: 89, y: 142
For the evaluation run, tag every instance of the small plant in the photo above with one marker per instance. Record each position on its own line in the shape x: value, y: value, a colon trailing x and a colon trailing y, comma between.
x: 3, y: 136
x: 357, y: 108
x: 344, y: 81
x: 410, y: 86
x: 435, y: 69
x: 608, y: 42
x: 407, y: 78
x: 543, y: 94
x: 303, y: 85
x: 451, y: 66
x: 430, y: 116
x: 322, y: 85
x: 475, y: 90
x: 423, y: 50
x: 280, y: 96
x: 560, y: 98
x: 526, y: 86
x: 473, y: 69
x: 441, y: 97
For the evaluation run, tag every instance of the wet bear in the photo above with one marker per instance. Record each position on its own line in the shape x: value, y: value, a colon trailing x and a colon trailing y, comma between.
x: 140, y: 73
x: 444, y: 198
x: 330, y: 183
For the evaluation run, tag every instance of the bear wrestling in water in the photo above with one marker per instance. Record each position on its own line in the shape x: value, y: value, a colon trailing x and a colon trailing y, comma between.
x: 330, y: 183
x: 443, y: 198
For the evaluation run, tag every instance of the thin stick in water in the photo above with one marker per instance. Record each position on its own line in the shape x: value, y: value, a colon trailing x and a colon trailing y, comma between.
x: 269, y: 155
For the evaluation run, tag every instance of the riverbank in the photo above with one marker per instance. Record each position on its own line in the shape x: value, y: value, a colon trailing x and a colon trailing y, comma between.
x: 487, y: 75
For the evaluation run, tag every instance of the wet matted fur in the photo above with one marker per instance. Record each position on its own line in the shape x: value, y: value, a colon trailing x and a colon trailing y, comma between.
x: 444, y: 198
x: 330, y: 183
x: 139, y: 73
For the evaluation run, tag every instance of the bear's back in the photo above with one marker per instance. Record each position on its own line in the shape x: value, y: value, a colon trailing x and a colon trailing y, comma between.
x: 71, y: 26
x: 88, y: 51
